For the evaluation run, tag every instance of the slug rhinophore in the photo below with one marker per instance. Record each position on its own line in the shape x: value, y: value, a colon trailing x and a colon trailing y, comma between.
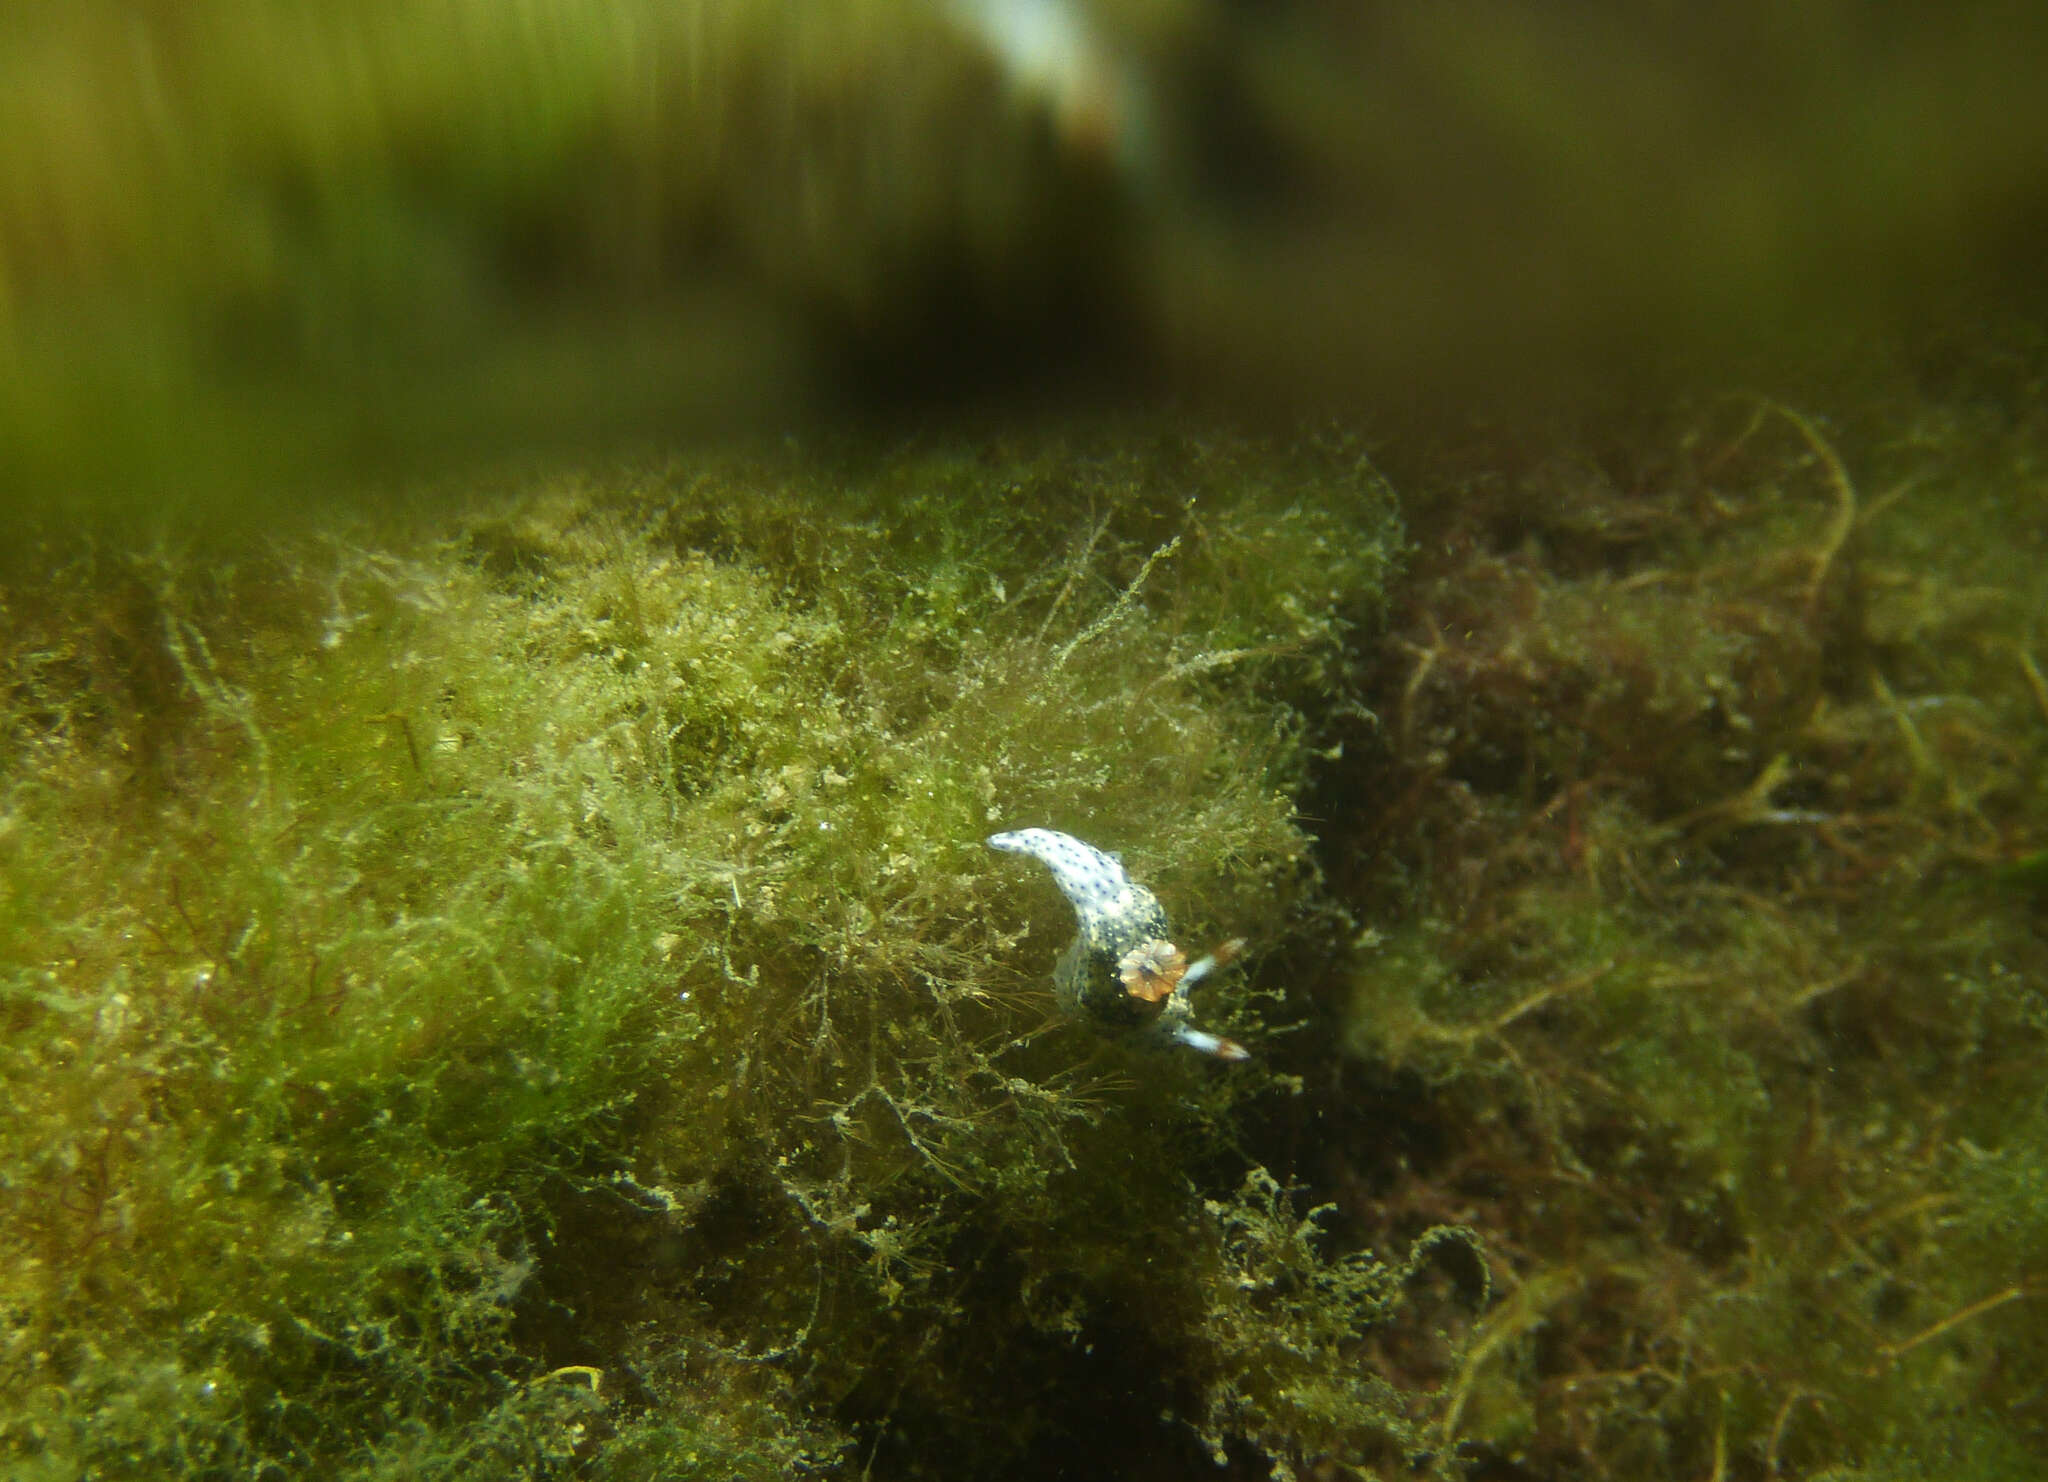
x: 1121, y: 969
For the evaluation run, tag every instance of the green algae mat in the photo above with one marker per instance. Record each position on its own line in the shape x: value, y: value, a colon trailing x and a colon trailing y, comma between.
x: 529, y: 990
x: 517, y: 988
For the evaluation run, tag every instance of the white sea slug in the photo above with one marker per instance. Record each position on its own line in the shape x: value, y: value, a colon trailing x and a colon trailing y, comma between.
x: 1121, y: 969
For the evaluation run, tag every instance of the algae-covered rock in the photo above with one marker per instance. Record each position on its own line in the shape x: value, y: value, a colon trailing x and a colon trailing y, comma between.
x: 524, y: 992
x: 1702, y: 973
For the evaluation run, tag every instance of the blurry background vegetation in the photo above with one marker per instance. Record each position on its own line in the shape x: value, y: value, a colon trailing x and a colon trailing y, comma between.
x: 251, y: 243
x: 541, y: 534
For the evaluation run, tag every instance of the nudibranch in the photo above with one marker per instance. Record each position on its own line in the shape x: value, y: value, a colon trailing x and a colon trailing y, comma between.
x: 1121, y: 969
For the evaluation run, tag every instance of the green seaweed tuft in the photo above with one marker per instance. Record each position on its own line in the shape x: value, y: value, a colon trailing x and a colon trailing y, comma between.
x: 526, y: 994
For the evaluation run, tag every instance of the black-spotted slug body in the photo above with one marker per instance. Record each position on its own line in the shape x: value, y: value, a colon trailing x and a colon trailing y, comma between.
x: 1121, y: 969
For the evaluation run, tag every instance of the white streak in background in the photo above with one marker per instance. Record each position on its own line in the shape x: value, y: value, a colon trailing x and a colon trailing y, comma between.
x: 1223, y: 956
x: 1050, y: 53
x: 1207, y: 1044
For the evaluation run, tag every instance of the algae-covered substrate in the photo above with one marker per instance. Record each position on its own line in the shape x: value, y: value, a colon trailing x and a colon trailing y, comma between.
x: 512, y: 986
